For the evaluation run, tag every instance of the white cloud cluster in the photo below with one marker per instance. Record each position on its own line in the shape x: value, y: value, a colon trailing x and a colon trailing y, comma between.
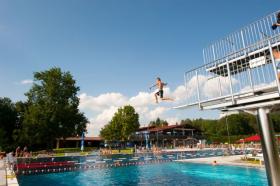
x: 103, y: 107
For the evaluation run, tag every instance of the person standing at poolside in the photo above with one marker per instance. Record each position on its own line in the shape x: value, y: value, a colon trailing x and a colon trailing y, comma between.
x: 276, y: 55
x: 159, y: 84
x: 18, y: 151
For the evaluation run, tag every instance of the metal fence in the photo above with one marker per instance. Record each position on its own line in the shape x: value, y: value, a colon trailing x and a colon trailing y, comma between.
x: 252, y: 70
x: 247, y: 36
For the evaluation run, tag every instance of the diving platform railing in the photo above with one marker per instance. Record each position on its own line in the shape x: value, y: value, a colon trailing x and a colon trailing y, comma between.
x: 245, y: 37
x: 248, y: 78
x: 240, y: 72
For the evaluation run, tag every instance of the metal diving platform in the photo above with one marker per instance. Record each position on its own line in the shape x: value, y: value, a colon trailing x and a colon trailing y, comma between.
x: 240, y: 73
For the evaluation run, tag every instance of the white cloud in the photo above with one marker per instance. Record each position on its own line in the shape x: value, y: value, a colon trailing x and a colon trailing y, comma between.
x: 102, y: 107
x: 26, y: 82
x: 173, y: 120
x: 155, y: 113
x: 102, y: 101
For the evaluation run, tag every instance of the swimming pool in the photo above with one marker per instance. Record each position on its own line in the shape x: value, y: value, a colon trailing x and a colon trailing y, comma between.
x: 173, y: 173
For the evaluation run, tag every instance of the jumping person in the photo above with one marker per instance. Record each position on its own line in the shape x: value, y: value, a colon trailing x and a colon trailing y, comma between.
x: 275, y: 25
x: 159, y: 84
x: 276, y: 55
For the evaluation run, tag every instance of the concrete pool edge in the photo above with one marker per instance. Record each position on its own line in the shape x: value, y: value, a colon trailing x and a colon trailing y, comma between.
x: 8, y: 177
x: 222, y: 160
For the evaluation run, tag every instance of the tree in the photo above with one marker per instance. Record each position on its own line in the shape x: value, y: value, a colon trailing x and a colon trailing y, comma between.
x: 8, y: 122
x: 158, y: 123
x: 52, y: 109
x: 124, y: 123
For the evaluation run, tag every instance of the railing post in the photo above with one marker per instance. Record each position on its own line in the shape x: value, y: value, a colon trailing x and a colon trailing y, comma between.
x: 220, y: 87
x: 197, y: 88
x: 250, y: 79
x: 213, y: 50
x: 242, y: 38
x: 230, y: 83
x: 274, y: 66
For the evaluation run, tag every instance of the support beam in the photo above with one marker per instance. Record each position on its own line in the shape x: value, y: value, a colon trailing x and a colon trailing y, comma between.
x: 270, y: 151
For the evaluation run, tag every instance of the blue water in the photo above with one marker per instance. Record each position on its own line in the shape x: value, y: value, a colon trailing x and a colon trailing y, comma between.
x: 172, y: 174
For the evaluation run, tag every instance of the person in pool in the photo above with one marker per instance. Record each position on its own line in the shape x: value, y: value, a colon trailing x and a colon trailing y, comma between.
x: 214, y: 163
x: 159, y: 84
x: 276, y: 55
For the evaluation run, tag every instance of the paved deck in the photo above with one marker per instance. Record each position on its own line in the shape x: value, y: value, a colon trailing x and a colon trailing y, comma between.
x: 223, y: 160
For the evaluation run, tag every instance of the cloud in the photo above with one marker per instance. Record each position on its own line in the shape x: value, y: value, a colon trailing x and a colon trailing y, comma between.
x: 155, y: 113
x: 26, y: 82
x: 102, y: 101
x: 101, y: 108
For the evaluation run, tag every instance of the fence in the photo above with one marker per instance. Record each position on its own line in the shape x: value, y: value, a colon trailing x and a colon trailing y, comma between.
x: 244, y: 38
x: 249, y: 71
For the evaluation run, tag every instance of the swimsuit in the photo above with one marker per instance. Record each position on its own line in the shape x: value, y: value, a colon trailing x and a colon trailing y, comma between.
x: 160, y: 93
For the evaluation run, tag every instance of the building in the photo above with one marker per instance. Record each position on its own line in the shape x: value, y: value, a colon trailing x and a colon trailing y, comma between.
x: 166, y: 136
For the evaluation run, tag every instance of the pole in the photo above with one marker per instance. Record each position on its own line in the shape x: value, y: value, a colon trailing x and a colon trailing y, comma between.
x: 228, y: 133
x: 270, y: 151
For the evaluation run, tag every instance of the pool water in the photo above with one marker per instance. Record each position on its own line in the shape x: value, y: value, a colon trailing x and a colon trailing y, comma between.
x: 173, y: 173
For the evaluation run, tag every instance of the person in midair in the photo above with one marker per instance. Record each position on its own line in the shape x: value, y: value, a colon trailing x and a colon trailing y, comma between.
x: 159, y: 84
x: 276, y: 55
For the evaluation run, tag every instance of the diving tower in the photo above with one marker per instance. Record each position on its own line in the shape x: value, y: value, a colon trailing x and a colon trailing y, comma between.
x: 240, y: 74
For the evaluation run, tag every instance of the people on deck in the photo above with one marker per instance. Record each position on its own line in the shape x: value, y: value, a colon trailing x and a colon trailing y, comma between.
x: 276, y: 55
x: 10, y: 160
x: 159, y: 84
x: 277, y: 24
x: 18, y: 151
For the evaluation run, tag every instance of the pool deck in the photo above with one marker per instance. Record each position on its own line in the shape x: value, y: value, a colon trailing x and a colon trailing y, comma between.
x: 2, y: 174
x: 223, y: 160
x: 5, y: 172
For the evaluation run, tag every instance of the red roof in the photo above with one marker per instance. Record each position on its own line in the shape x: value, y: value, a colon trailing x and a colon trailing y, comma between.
x: 80, y: 138
x: 146, y: 128
x: 163, y: 128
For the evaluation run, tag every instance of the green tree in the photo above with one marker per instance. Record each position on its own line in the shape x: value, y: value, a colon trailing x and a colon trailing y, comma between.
x: 8, y: 123
x: 275, y: 119
x: 52, y: 109
x: 124, y: 123
x: 158, y: 123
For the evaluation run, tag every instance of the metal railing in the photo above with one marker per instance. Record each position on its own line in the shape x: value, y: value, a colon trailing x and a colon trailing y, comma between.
x: 241, y: 39
x: 251, y: 70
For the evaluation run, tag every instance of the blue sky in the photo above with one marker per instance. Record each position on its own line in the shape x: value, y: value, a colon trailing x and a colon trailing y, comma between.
x: 115, y: 46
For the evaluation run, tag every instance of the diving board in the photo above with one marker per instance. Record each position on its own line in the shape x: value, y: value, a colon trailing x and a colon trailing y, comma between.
x: 240, y: 74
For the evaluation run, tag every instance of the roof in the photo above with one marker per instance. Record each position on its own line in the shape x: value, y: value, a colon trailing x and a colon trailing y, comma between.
x: 80, y: 138
x: 168, y: 127
x: 145, y: 128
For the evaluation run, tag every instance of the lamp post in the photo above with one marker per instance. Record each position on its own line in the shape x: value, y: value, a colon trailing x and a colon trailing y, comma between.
x: 82, y: 141
x: 228, y: 132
